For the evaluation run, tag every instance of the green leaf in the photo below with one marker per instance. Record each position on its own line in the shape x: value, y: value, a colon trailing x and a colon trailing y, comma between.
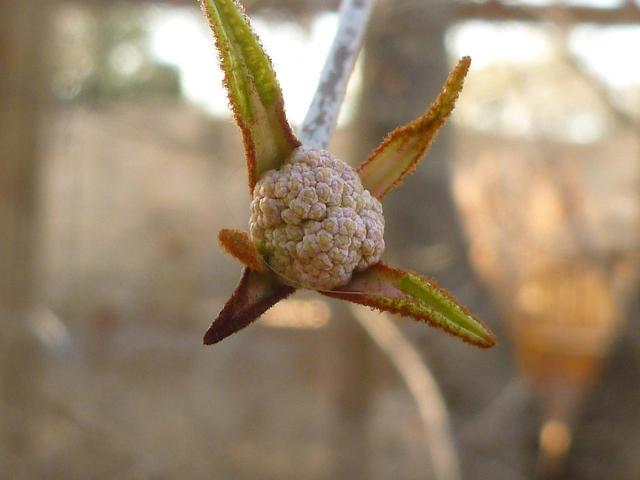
x: 409, y: 294
x: 254, y: 93
x: 255, y: 294
x: 403, y: 148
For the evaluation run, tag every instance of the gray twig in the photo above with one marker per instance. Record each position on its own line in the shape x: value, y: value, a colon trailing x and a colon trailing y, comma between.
x: 322, y: 115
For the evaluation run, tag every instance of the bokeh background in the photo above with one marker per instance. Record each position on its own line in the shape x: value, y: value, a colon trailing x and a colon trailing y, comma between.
x: 119, y: 163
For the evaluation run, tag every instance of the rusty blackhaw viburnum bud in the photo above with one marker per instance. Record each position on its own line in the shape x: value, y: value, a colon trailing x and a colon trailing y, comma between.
x: 317, y: 223
x: 313, y: 222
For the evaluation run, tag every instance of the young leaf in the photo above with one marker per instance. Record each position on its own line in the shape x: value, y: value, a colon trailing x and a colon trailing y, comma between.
x: 238, y: 244
x: 255, y: 294
x: 410, y: 294
x: 403, y: 148
x: 254, y: 92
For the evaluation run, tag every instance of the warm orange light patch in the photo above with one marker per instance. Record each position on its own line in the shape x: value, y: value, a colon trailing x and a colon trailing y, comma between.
x: 297, y: 314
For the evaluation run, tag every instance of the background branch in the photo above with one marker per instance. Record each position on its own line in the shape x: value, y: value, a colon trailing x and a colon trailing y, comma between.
x: 316, y: 130
x: 422, y: 385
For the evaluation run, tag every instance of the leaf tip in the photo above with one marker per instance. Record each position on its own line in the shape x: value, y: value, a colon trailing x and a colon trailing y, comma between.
x: 446, y: 311
x: 402, y: 150
x: 238, y: 244
x: 253, y: 296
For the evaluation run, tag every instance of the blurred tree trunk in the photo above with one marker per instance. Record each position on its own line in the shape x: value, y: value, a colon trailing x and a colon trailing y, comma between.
x: 22, y: 90
x: 404, y: 70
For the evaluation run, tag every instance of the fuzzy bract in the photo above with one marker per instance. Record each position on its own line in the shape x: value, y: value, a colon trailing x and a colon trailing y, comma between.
x: 314, y: 223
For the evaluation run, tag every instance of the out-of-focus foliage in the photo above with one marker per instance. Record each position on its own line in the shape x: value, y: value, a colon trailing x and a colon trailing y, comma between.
x: 103, y: 55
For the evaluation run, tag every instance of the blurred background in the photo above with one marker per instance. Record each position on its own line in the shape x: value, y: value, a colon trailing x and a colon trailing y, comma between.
x: 119, y: 163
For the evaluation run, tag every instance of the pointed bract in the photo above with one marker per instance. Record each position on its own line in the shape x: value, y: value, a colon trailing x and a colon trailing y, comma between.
x: 238, y: 244
x: 254, y: 93
x: 410, y: 294
x: 403, y: 148
x: 255, y: 294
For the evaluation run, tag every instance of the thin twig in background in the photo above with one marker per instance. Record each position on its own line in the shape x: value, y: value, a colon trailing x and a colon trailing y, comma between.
x: 316, y: 130
x: 423, y: 387
x: 510, y: 402
x: 322, y: 115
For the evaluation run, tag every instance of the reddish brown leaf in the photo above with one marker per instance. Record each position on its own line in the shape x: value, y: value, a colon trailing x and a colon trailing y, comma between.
x: 254, y: 295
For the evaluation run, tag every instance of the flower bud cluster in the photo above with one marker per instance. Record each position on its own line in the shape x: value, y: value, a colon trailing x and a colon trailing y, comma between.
x: 314, y: 223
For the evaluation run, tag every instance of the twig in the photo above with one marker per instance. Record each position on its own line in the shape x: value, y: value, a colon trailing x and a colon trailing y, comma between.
x: 322, y: 115
x: 422, y: 385
x: 316, y: 130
